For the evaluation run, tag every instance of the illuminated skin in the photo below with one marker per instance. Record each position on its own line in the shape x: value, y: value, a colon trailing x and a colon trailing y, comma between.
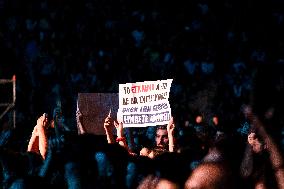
x: 38, y: 142
x: 256, y: 145
x: 151, y: 182
x: 198, y: 119
x: 207, y: 176
x: 215, y: 120
x: 144, y: 152
x: 166, y: 184
x: 162, y: 139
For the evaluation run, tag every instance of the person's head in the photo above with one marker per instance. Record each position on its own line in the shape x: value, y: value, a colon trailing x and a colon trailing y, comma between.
x: 215, y: 120
x: 166, y: 184
x: 257, y: 144
x: 209, y: 175
x: 198, y: 119
x: 161, y: 138
x: 155, y: 182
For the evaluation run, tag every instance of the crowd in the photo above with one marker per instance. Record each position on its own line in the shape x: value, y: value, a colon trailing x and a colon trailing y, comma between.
x: 62, y: 48
x: 193, y: 156
x: 221, y: 56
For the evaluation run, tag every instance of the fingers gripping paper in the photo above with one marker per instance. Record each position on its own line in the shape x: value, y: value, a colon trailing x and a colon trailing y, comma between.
x: 145, y: 103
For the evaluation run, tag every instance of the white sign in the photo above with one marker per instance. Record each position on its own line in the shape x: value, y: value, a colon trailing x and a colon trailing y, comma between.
x: 145, y: 103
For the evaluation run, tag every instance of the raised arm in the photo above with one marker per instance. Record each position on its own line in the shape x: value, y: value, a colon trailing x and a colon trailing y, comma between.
x: 170, y: 129
x: 33, y: 144
x: 275, y: 156
x: 108, y: 126
x: 80, y: 127
x: 38, y: 140
x: 43, y: 141
x: 120, y: 136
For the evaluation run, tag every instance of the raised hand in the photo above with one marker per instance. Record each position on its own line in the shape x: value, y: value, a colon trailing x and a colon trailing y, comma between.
x: 119, y: 128
x: 251, y: 138
x: 39, y: 133
x: 79, y: 116
x: 171, y: 127
x: 108, y: 126
x: 108, y: 123
x: 255, y: 143
x: 273, y: 150
x: 79, y: 119
x: 42, y: 121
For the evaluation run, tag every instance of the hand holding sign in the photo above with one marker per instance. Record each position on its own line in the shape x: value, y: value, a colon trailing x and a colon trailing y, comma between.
x: 171, y: 127
x: 119, y: 128
x: 108, y: 123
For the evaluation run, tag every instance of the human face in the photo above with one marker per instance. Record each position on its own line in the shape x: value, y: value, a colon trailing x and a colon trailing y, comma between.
x: 162, y: 139
x: 198, y: 119
x: 215, y: 120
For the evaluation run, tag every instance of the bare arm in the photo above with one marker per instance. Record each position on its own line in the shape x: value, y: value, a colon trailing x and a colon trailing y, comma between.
x: 275, y: 156
x: 43, y: 141
x: 38, y: 140
x: 170, y: 129
x: 81, y: 129
x: 32, y: 146
x: 120, y: 137
x: 108, y: 126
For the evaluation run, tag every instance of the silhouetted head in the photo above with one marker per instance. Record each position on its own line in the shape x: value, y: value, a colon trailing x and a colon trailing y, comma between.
x: 209, y: 176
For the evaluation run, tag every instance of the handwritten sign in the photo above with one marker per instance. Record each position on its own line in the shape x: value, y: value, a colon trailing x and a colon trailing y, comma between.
x: 95, y: 107
x: 145, y: 103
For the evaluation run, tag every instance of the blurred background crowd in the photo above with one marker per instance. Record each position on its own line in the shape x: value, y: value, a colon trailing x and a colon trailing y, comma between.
x: 212, y: 50
x: 221, y: 55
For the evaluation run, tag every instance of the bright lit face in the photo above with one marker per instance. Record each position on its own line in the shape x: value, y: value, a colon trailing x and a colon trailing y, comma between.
x: 162, y: 139
x: 198, y: 119
x: 215, y: 120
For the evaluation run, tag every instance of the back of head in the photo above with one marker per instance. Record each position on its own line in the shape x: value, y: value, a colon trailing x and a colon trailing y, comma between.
x: 210, y: 176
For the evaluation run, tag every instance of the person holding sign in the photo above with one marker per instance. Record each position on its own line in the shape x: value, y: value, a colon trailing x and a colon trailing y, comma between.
x: 144, y: 104
x: 108, y: 126
x: 164, y: 139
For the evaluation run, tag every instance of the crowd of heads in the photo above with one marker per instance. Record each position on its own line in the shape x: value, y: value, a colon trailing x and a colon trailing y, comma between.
x: 58, y: 49
x: 220, y: 55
